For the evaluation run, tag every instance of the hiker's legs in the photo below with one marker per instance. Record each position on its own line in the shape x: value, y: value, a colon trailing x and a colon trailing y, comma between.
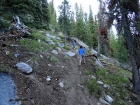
x: 80, y: 59
x: 84, y: 59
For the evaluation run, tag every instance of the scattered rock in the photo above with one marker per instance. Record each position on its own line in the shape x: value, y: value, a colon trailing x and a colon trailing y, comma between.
x: 80, y: 86
x: 49, y: 65
x: 100, y: 82
x: 103, y: 101
x: 108, y: 98
x: 58, y: 49
x: 48, y: 78
x: 7, y: 52
x: 41, y: 56
x: 106, y: 86
x: 61, y: 84
x: 50, y: 36
x: 93, y: 77
x: 60, y: 44
x: 16, y: 55
x: 54, y: 52
x: 14, y: 45
x: 23, y: 67
x: 39, y: 40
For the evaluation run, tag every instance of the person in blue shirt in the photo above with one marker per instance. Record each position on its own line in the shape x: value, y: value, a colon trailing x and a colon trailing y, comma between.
x: 73, y: 43
x: 81, y: 53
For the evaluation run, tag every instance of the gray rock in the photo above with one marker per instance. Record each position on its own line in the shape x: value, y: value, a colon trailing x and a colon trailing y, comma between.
x: 98, y: 63
x: 80, y: 85
x: 58, y: 38
x: 50, y: 36
x: 58, y: 49
x: 100, y: 82
x: 60, y: 44
x: 54, y: 52
x: 108, y: 98
x: 48, y: 78
x: 69, y: 53
x: 61, y: 84
x: 16, y: 55
x: 126, y: 67
x: 106, y: 86
x: 23, y: 67
x: 49, y: 65
x: 39, y: 40
x: 103, y: 101
x: 50, y: 41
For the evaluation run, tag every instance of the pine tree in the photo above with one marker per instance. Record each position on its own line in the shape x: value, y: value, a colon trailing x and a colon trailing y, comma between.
x: 64, y: 18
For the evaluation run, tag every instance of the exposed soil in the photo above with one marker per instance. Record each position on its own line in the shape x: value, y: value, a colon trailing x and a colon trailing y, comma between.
x: 33, y: 89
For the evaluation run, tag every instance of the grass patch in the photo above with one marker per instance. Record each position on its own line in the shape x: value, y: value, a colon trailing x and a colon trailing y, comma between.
x: 66, y: 57
x: 54, y: 59
x: 54, y: 46
x: 37, y: 35
x: 60, y: 35
x: 67, y: 48
x: 117, y: 82
x: 94, y: 88
x: 116, y: 79
x: 88, y: 72
x: 54, y: 40
x: 2, y: 68
x: 33, y: 45
x: 36, y: 58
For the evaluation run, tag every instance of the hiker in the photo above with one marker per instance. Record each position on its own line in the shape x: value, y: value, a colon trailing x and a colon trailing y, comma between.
x: 73, y: 43
x: 81, y: 55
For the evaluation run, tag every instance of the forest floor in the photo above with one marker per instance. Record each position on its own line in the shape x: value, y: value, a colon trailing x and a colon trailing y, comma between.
x: 34, y: 89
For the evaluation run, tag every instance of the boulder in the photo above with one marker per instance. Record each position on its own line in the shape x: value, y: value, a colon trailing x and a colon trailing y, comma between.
x: 23, y: 67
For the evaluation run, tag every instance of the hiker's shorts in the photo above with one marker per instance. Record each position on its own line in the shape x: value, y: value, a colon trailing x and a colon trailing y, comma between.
x: 81, y: 57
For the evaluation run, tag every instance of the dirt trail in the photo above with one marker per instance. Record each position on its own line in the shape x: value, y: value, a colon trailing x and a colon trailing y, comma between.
x: 34, y: 89
x: 77, y: 93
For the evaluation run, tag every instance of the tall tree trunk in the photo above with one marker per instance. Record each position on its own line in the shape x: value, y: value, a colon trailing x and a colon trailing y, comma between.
x: 135, y: 68
x: 99, y: 44
x: 64, y: 24
x: 130, y: 43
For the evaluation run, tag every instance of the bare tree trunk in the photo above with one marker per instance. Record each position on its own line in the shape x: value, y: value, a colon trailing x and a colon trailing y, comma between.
x: 99, y: 44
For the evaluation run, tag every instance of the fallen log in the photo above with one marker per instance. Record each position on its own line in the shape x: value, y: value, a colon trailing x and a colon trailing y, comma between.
x: 93, y: 52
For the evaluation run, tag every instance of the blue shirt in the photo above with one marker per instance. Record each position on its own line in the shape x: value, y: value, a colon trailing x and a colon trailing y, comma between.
x: 81, y: 51
x: 73, y: 43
